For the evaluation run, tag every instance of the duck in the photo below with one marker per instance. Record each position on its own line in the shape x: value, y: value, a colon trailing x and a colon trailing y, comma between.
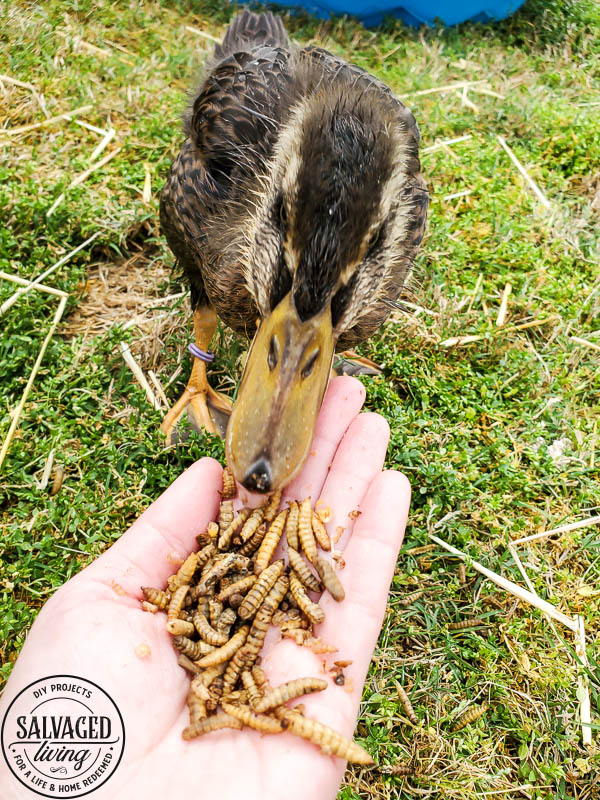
x: 295, y: 209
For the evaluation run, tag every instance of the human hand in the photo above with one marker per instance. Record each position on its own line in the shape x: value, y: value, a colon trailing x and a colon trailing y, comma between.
x: 92, y: 626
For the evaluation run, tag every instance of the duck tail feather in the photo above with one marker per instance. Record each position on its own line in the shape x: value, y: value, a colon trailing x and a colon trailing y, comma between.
x: 249, y: 28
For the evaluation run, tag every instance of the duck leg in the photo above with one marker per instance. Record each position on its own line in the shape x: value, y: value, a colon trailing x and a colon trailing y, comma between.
x: 205, y: 408
x: 350, y: 363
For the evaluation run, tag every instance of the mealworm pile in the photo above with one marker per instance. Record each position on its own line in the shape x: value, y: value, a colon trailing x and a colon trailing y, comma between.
x: 220, y: 604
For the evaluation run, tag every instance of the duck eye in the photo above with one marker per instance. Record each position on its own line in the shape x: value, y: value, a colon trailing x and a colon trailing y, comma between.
x: 373, y: 241
x: 310, y: 364
x: 273, y: 355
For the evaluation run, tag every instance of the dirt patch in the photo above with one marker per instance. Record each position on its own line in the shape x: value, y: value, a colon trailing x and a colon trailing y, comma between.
x: 132, y: 292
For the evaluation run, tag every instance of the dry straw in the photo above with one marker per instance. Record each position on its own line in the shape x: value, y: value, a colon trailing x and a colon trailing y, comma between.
x: 19, y: 409
x: 445, y: 143
x: 532, y: 184
x: 139, y: 375
x: 204, y: 34
x: 81, y: 178
x: 36, y: 283
x: 530, y: 596
x: 68, y: 115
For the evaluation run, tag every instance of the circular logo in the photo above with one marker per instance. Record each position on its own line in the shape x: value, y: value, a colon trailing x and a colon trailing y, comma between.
x: 62, y: 736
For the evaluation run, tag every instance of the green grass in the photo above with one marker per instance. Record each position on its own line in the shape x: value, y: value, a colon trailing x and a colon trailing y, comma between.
x: 472, y: 426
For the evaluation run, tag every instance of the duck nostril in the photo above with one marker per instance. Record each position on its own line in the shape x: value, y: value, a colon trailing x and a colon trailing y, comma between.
x: 258, y: 477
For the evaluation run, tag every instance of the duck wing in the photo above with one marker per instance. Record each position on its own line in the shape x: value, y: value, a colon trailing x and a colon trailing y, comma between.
x: 231, y: 127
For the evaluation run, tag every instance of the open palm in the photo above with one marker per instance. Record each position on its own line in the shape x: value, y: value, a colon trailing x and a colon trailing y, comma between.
x: 93, y: 626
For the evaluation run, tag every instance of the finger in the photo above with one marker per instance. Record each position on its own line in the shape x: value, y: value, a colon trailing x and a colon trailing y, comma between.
x: 358, y: 460
x: 164, y: 535
x: 353, y: 625
x: 343, y: 400
x: 370, y: 559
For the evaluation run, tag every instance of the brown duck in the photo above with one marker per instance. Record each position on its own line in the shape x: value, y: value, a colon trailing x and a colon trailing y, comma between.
x: 295, y: 208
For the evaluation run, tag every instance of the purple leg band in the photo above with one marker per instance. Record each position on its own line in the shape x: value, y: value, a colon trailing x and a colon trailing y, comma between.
x: 203, y: 355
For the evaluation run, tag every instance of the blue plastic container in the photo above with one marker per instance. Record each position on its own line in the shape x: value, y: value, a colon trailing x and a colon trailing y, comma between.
x: 413, y: 12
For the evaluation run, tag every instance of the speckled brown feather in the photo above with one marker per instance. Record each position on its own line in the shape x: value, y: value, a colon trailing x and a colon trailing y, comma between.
x: 254, y: 82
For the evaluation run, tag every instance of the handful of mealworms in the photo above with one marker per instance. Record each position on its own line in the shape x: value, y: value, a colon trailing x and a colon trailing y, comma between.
x: 220, y: 604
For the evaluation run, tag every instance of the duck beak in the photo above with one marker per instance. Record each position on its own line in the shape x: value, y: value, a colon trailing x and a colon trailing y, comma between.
x: 273, y: 420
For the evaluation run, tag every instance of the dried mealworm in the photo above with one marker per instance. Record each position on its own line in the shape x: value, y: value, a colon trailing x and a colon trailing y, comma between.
x: 185, y: 573
x: 398, y: 770
x: 198, y: 688
x: 305, y: 531
x: 254, y: 541
x: 259, y: 628
x: 331, y: 742
x: 196, y: 706
x: 227, y: 535
x: 240, y: 586
x: 214, y: 723
x: 303, y: 571
x: 293, y: 624
x: 215, y: 609
x: 225, y: 516
x: 209, y: 536
x: 228, y: 491
x: 225, y: 621
x: 236, y: 600
x: 212, y: 673
x: 260, y: 589
x: 157, y: 597
x: 470, y: 622
x: 215, y: 691
x: 407, y: 705
x: 408, y: 599
x: 260, y: 679
x: 462, y: 573
x: 291, y: 526
x: 149, y: 607
x: 269, y: 543
x: 260, y: 722
x: 314, y: 612
x: 289, y: 691
x: 207, y: 632
x: 320, y: 533
x: 234, y: 669
x: 251, y: 524
x: 206, y: 554
x: 180, y: 627
x: 176, y: 602
x: 238, y: 697
x: 418, y: 551
x: 330, y: 580
x: 188, y: 664
x: 272, y: 506
x: 212, y: 529
x: 252, y: 690
x: 230, y: 562
x: 469, y: 716
x: 206, y: 569
x: 57, y: 482
x: 299, y: 635
x: 225, y: 652
x: 279, y: 617
x: 193, y: 650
